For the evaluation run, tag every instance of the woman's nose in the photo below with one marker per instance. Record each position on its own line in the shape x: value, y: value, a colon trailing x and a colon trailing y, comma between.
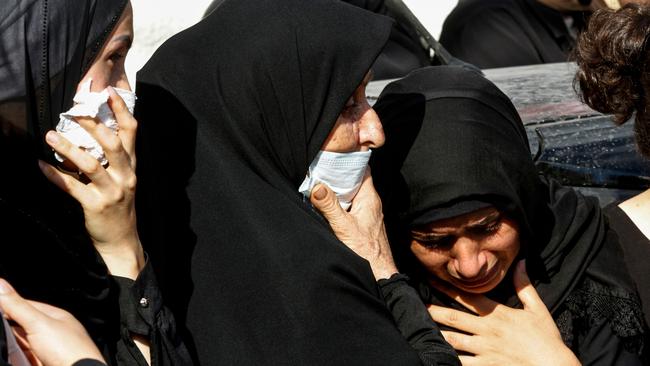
x: 371, y: 132
x: 468, y: 262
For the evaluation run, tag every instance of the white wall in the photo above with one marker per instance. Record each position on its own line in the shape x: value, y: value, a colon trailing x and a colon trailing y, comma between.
x: 156, y: 20
x: 432, y: 13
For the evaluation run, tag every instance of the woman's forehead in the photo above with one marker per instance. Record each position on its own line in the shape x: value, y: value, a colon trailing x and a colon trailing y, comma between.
x: 477, y: 217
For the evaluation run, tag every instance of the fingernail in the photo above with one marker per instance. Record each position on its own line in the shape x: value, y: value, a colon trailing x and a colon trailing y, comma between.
x: 41, y: 164
x: 5, y: 287
x: 522, y: 265
x: 52, y: 138
x: 319, y: 193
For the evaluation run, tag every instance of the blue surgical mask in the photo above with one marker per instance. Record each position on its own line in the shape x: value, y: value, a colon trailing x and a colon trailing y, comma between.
x: 342, y: 172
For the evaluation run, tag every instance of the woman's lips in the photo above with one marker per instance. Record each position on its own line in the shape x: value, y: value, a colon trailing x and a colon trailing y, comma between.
x: 479, y: 282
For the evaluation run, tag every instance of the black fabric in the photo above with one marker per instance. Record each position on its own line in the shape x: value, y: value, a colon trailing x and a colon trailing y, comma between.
x: 415, y: 323
x: 4, y: 361
x: 88, y: 362
x: 232, y: 111
x: 456, y: 138
x: 45, y: 48
x: 402, y: 53
x: 500, y: 33
x: 142, y: 313
x: 636, y: 248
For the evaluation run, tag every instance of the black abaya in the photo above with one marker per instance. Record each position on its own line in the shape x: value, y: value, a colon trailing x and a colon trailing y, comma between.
x: 232, y: 111
x: 458, y: 140
x: 46, y: 46
x: 636, y: 247
x: 501, y: 33
x: 46, y: 253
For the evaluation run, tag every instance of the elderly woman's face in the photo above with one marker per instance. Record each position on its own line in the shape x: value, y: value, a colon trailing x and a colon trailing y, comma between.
x: 358, y: 127
x: 472, y: 252
x: 108, y: 67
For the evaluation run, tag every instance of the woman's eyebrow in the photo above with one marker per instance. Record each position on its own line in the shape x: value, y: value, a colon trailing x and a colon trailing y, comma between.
x: 487, y: 219
x: 427, y: 236
x: 123, y: 38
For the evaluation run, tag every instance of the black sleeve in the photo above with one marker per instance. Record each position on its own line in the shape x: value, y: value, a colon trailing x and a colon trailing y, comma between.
x: 142, y: 313
x: 415, y: 323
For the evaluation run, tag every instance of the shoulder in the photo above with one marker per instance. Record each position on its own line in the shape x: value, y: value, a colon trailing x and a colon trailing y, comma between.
x: 595, y: 311
x: 475, y: 17
x: 475, y: 8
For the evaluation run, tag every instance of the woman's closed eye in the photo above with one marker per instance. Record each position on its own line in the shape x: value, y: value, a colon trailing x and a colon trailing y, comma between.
x: 116, y: 56
x: 486, y: 229
x: 350, y: 108
x: 433, y: 241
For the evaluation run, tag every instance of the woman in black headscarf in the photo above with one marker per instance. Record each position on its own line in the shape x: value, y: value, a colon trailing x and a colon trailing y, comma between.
x: 235, y: 109
x: 501, y: 33
x: 50, y: 243
x: 463, y: 202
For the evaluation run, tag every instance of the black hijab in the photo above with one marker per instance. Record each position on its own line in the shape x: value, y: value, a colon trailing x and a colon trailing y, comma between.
x: 454, y: 137
x: 500, y: 33
x: 232, y: 111
x: 403, y: 51
x: 46, y: 46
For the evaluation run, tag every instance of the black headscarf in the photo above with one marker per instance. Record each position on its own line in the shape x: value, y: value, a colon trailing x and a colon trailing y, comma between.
x: 46, y: 46
x: 232, y: 111
x: 500, y: 33
x: 403, y: 51
x: 453, y: 136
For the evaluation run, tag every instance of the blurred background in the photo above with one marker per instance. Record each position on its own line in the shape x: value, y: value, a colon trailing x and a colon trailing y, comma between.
x: 156, y: 20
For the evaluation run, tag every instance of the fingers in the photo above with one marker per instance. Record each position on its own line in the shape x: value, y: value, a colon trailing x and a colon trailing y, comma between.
x: 460, y: 341
x: 456, y: 319
x: 325, y: 201
x: 125, y: 120
x: 51, y: 311
x: 18, y: 309
x: 64, y: 181
x: 109, y: 141
x: 367, y: 197
x: 470, y: 361
x: 525, y: 290
x: 84, y: 162
x: 21, y: 338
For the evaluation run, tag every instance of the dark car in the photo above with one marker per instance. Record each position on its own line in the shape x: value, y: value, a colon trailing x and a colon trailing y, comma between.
x: 569, y: 141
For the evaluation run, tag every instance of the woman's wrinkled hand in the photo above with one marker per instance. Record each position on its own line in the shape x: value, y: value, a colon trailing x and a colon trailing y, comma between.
x: 500, y: 335
x: 48, y: 335
x: 108, y: 200
x: 362, y: 229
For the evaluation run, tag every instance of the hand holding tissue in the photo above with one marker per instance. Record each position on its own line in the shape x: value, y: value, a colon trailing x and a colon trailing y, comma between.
x: 92, y: 105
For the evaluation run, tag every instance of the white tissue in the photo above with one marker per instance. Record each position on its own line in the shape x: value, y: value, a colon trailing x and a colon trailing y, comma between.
x: 92, y: 105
